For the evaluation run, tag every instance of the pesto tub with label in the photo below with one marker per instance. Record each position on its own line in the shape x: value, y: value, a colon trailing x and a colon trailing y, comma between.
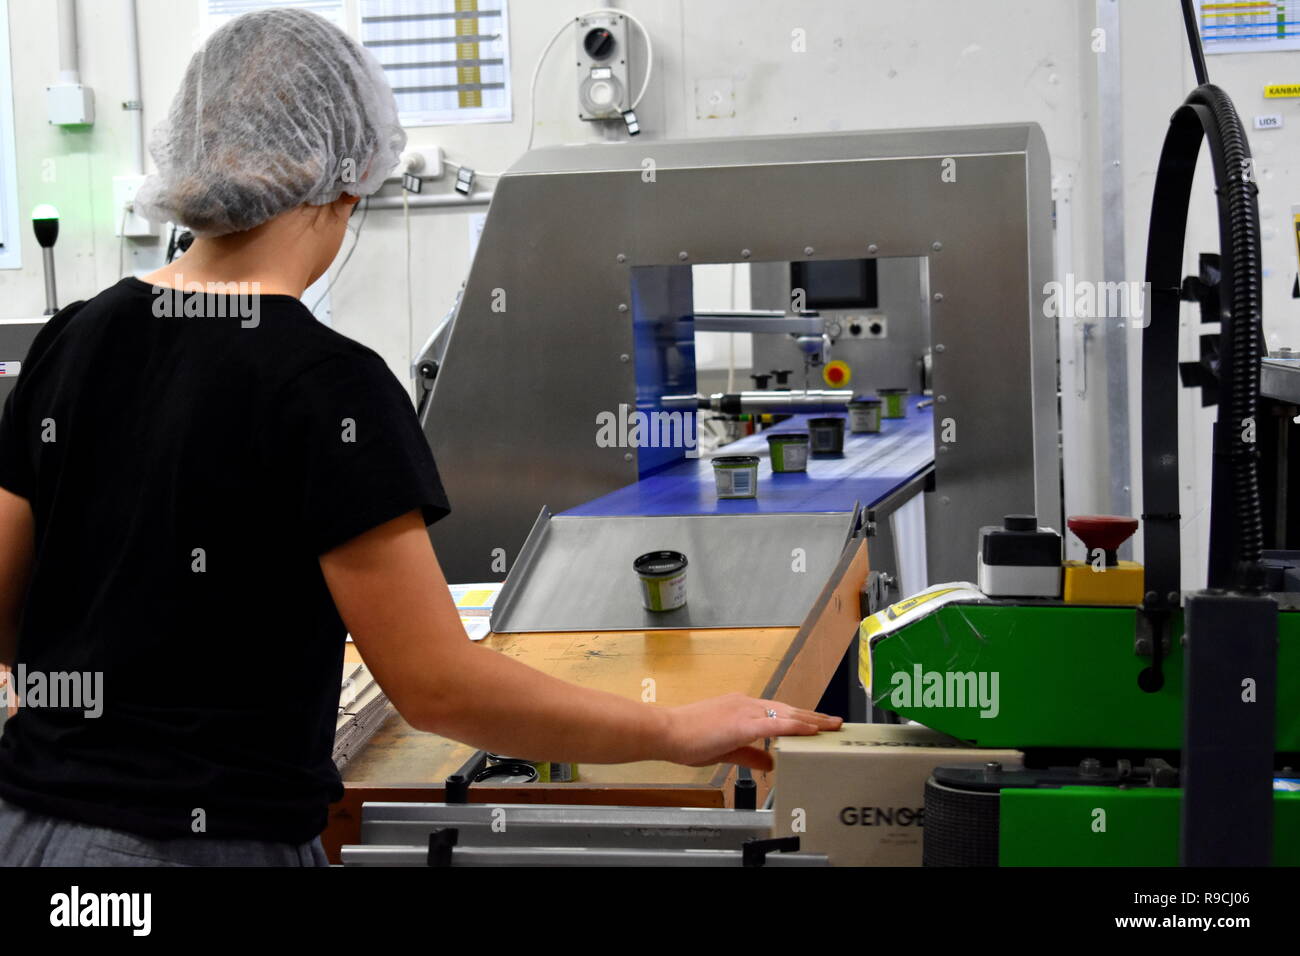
x: 893, y: 399
x: 663, y: 579
x: 827, y: 436
x: 789, y: 451
x: 736, y: 476
x: 864, y: 415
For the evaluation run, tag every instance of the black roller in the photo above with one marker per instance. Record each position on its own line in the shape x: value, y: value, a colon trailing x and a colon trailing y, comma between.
x: 961, y: 826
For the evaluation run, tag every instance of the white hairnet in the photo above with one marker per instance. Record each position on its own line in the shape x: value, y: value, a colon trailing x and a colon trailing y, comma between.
x: 279, y: 108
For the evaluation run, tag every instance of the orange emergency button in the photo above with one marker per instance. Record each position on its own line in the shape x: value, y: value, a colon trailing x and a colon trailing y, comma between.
x: 837, y: 374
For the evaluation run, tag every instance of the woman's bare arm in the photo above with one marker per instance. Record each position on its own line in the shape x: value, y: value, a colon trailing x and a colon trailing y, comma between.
x: 392, y: 595
x: 17, y: 537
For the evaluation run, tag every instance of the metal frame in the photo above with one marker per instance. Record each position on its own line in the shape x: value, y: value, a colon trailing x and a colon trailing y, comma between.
x: 1229, y: 740
x: 569, y: 856
x: 429, y: 834
x: 513, y: 408
x: 732, y: 569
x: 513, y: 825
x: 1115, y: 334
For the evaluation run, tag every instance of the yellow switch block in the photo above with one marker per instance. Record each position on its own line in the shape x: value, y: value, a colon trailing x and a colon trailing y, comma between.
x: 1121, y: 584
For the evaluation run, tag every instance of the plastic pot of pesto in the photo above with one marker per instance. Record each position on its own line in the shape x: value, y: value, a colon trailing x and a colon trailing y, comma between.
x: 736, y: 476
x: 826, y: 436
x: 895, y: 407
x: 544, y: 771
x: 504, y: 772
x: 789, y: 451
x: 864, y: 415
x: 663, y: 579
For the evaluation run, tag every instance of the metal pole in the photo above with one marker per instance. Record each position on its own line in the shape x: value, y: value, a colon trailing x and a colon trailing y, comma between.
x: 1115, y: 328
x: 51, y: 293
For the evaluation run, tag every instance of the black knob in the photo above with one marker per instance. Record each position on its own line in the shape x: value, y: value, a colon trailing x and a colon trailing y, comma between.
x: 760, y: 381
x: 875, y: 328
x: 782, y: 375
x: 855, y: 329
x: 599, y: 44
x: 1020, y: 522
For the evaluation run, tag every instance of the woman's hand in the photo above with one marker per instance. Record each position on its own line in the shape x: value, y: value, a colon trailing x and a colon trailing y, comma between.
x: 725, y: 729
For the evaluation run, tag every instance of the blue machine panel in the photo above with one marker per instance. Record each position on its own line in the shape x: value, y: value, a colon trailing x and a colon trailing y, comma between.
x: 663, y: 328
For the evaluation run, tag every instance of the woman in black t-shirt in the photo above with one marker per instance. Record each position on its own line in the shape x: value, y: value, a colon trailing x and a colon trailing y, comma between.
x: 190, y: 463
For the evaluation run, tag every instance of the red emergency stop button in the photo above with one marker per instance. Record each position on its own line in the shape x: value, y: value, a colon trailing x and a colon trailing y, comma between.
x: 837, y: 374
x: 1104, y: 532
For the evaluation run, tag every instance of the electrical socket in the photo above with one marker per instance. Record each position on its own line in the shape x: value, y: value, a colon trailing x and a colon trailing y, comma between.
x: 434, y: 165
x: 129, y: 223
x: 427, y: 162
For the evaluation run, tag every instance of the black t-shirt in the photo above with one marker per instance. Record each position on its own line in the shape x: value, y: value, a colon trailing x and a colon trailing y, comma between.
x: 185, y: 473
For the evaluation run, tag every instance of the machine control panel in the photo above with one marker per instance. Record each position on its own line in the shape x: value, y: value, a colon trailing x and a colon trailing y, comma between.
x: 867, y: 325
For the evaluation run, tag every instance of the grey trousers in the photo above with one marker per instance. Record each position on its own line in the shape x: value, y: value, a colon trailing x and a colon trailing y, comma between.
x: 32, y: 839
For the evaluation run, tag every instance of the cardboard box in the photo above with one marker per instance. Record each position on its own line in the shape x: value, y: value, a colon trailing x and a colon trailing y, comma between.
x: 859, y: 793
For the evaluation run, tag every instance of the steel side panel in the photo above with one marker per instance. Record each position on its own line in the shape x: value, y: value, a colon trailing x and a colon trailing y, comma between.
x: 743, y: 572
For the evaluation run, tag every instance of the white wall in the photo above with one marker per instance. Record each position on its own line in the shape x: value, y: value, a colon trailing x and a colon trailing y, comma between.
x: 867, y: 64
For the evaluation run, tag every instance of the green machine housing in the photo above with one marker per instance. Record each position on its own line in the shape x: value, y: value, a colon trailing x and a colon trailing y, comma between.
x: 1064, y: 684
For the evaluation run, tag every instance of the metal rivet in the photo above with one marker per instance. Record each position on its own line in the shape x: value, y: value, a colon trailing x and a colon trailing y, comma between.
x: 625, y: 357
x: 937, y: 246
x: 939, y: 347
x: 945, y: 500
x: 682, y: 255
x: 622, y: 307
x: 621, y: 258
x: 943, y: 449
x: 938, y: 297
x: 873, y: 248
x: 627, y: 456
x: 745, y: 253
x: 1173, y: 597
x: 942, y: 399
x: 807, y: 250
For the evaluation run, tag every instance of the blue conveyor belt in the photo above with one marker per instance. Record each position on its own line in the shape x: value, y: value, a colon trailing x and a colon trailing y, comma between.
x: 872, y: 468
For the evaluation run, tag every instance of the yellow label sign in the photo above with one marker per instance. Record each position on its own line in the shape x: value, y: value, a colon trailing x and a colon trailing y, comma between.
x: 1281, y: 91
x: 892, y: 617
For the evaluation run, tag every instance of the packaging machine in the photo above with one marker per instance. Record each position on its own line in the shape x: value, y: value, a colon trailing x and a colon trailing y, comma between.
x: 579, y: 302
